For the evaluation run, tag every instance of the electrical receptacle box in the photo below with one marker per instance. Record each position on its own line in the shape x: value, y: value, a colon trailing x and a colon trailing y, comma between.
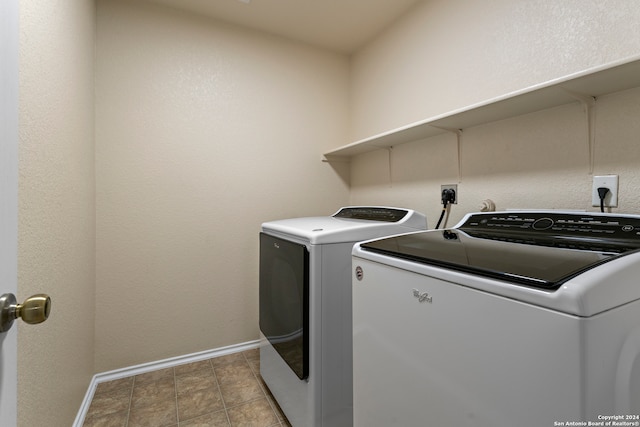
x: 453, y: 187
x: 606, y: 181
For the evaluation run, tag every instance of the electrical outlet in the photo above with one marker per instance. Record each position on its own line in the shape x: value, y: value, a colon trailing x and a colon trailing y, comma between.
x: 607, y: 181
x: 453, y: 187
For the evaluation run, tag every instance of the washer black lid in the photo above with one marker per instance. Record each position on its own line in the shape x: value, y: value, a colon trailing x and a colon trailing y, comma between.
x: 527, y: 264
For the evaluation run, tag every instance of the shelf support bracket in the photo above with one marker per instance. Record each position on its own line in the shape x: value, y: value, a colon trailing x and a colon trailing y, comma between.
x: 589, y: 104
x: 458, y: 133
x: 335, y: 159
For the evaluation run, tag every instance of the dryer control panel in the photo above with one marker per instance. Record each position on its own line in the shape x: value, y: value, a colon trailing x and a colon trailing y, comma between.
x: 372, y: 213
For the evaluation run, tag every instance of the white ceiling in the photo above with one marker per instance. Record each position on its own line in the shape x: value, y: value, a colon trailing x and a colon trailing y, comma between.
x: 340, y: 25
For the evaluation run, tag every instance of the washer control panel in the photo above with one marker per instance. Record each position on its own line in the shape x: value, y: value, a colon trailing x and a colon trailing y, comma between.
x: 579, y: 224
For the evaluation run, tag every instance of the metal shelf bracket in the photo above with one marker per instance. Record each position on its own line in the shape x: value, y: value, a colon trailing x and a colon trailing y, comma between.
x: 589, y: 104
x: 458, y: 133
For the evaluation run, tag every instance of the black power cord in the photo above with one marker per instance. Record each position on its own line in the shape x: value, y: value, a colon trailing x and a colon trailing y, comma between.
x: 602, y: 193
x: 448, y: 197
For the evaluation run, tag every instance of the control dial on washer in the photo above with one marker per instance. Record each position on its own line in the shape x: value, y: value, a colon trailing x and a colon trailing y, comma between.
x: 543, y: 224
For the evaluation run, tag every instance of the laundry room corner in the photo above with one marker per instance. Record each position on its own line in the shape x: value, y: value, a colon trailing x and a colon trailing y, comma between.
x: 190, y: 160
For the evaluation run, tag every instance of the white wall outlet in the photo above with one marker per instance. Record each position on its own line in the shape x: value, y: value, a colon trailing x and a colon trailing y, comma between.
x: 610, y: 182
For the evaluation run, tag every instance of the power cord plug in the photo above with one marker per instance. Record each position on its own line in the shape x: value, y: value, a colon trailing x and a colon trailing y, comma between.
x: 448, y: 197
x: 602, y: 193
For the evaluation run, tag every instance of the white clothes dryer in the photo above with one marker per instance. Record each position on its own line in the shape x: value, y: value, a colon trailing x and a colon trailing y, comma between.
x: 305, y: 308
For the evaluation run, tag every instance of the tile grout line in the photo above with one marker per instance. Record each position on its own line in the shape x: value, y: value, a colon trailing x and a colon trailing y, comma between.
x: 175, y: 390
x: 133, y: 384
x: 261, y: 385
x: 224, y: 404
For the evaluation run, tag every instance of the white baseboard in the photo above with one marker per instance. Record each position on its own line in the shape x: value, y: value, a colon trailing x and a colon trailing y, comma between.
x: 154, y: 366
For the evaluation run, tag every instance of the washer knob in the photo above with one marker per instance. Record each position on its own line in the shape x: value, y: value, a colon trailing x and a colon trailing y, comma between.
x: 542, y: 224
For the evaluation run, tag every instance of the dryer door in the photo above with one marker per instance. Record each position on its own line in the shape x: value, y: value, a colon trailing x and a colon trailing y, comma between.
x: 284, y: 300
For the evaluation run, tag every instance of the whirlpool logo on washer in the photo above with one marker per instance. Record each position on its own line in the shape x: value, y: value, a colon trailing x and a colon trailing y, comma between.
x: 422, y: 296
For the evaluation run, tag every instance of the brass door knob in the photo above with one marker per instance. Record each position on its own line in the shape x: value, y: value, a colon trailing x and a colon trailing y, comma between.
x: 33, y: 310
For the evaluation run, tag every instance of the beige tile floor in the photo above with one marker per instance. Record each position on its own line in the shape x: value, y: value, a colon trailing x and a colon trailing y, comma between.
x: 224, y: 391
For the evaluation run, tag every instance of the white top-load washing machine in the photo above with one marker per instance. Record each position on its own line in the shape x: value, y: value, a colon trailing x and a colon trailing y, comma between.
x: 305, y: 308
x: 528, y: 319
